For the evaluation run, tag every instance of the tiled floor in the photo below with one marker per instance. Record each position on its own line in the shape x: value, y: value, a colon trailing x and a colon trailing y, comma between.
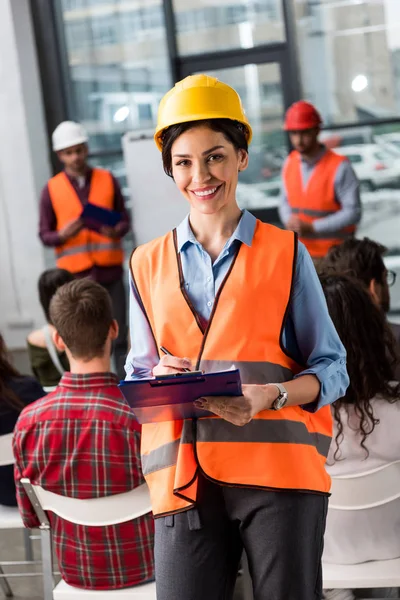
x: 12, y: 548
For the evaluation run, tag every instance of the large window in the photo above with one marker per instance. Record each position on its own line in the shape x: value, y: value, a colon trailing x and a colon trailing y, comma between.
x: 118, y: 66
x: 342, y: 55
x: 349, y: 54
x: 205, y: 26
x: 374, y: 153
x: 260, y: 89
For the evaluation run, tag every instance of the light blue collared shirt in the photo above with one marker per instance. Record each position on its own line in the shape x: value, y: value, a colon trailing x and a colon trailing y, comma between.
x: 309, y: 334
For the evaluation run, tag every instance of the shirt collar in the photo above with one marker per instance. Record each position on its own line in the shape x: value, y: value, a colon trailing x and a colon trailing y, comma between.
x: 88, y: 380
x: 311, y: 163
x: 88, y: 175
x: 244, y: 232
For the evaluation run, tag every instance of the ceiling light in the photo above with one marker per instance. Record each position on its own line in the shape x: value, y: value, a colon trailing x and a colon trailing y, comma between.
x: 359, y: 83
x: 121, y: 114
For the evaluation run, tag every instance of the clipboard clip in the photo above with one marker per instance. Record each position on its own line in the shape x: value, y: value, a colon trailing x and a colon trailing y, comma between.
x: 177, y: 375
x: 194, y: 377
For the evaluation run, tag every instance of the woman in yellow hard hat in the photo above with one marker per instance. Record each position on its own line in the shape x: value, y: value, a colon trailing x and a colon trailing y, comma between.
x: 224, y: 289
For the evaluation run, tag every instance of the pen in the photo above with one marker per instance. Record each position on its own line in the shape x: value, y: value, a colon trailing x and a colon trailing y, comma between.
x: 163, y: 349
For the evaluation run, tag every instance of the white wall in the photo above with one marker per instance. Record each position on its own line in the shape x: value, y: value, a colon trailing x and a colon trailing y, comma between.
x: 24, y: 168
x: 156, y: 204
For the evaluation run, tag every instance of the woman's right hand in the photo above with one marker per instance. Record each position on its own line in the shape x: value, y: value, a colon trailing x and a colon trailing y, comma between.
x: 172, y: 364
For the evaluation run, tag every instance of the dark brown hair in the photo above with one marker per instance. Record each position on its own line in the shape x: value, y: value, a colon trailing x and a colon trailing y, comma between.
x: 7, y: 372
x: 370, y: 347
x: 81, y: 313
x: 234, y: 132
x: 48, y: 284
x: 359, y: 258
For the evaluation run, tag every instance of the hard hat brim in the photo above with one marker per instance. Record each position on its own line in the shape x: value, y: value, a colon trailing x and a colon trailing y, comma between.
x: 196, y: 118
x: 74, y: 142
x: 301, y: 127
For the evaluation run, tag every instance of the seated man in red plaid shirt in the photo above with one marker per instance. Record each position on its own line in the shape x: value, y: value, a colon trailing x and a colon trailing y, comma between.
x: 82, y: 441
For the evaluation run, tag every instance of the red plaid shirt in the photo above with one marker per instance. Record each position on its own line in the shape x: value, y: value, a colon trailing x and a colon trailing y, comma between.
x: 82, y: 441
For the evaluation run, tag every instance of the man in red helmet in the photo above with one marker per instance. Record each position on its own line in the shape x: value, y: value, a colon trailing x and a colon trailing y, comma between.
x: 320, y: 199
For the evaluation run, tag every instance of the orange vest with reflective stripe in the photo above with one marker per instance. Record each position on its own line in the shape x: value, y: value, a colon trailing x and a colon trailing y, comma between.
x: 87, y: 248
x: 316, y: 200
x: 283, y: 449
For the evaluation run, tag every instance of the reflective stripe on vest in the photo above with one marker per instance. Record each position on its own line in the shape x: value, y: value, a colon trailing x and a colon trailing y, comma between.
x: 90, y: 247
x: 257, y: 431
x: 316, y: 200
x: 87, y: 248
x: 283, y: 449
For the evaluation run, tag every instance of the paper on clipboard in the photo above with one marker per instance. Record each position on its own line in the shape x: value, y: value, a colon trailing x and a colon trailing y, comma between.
x: 169, y: 398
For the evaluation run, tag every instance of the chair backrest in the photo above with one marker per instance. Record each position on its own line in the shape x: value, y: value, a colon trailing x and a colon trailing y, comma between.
x: 108, y: 510
x: 366, y: 490
x: 6, y: 452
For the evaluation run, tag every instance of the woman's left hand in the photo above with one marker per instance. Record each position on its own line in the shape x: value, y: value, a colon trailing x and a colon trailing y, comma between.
x: 240, y: 410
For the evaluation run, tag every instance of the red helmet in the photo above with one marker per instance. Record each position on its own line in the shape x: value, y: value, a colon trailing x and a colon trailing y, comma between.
x: 302, y: 115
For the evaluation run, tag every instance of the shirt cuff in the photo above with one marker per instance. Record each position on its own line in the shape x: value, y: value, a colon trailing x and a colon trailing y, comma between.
x: 334, y: 382
x: 51, y: 239
x: 318, y: 225
x: 122, y: 228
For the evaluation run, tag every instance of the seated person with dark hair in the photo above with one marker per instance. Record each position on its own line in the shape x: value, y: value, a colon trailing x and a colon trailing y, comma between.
x: 366, y: 424
x: 82, y: 441
x: 363, y: 259
x: 16, y: 392
x: 47, y: 363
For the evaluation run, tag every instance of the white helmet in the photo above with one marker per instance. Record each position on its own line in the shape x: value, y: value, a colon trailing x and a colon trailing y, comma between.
x: 67, y: 134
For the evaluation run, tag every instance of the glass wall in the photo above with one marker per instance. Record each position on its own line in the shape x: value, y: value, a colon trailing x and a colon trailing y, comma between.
x: 118, y: 65
x: 118, y: 71
x: 260, y: 89
x: 342, y: 55
x: 204, y: 26
x: 374, y: 152
x: 349, y: 55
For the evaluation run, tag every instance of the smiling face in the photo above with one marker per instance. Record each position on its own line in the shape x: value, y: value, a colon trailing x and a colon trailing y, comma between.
x: 205, y: 168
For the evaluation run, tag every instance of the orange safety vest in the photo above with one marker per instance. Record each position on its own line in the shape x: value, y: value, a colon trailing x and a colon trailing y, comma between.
x: 283, y: 449
x: 87, y: 248
x: 316, y: 200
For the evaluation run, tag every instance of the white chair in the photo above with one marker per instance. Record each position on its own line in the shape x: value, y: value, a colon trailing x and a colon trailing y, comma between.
x: 95, y: 512
x: 358, y: 492
x: 11, y: 519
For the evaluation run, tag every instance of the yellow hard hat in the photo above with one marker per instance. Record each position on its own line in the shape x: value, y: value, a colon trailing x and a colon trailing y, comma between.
x: 199, y: 97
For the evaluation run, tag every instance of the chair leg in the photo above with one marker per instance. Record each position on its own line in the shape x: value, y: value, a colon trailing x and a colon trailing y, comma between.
x: 5, y: 586
x: 47, y: 564
x: 28, y: 545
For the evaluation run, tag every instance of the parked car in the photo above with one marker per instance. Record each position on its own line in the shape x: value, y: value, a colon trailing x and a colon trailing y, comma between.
x: 390, y: 142
x: 262, y: 195
x: 374, y: 166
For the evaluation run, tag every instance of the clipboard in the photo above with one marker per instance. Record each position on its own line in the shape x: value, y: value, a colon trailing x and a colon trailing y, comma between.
x: 171, y: 397
x: 94, y: 217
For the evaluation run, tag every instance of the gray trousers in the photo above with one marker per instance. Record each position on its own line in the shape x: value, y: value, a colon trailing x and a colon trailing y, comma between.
x: 116, y: 289
x: 197, y: 552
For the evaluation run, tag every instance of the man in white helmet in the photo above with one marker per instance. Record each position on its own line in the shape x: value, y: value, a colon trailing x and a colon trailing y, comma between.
x: 86, y: 252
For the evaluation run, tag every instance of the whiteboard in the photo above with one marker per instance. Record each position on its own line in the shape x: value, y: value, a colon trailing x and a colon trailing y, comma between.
x: 157, y: 205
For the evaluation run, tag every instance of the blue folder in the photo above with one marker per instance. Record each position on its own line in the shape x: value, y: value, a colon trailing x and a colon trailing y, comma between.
x: 171, y: 397
x: 94, y: 217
